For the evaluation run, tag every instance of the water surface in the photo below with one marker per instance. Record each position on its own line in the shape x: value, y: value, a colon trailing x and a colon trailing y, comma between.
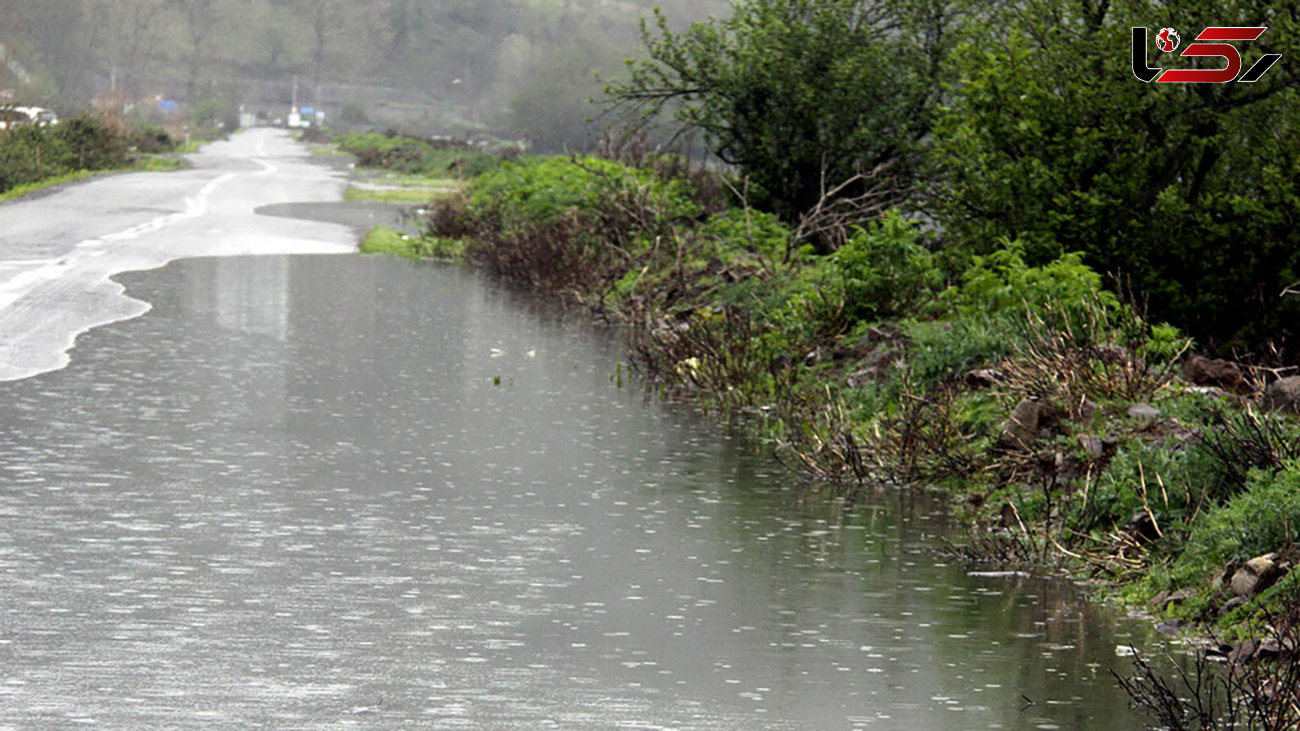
x: 347, y: 492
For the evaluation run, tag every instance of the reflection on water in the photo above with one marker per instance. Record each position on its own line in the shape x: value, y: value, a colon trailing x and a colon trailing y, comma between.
x: 351, y: 492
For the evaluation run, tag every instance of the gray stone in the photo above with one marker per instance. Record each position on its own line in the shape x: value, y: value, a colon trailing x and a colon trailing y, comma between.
x: 984, y: 378
x: 1145, y: 412
x: 1255, y: 576
x: 875, y: 365
x: 1232, y: 604
x: 1170, y: 627
x: 1243, y: 652
x: 1093, y: 446
x: 1021, y: 429
x: 1111, y: 353
x: 1283, y: 395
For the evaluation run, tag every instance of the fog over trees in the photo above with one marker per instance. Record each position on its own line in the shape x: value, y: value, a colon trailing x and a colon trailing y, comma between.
x: 511, y: 68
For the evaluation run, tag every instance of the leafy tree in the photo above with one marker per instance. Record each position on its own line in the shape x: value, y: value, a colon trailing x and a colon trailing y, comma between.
x: 1188, y: 191
x: 801, y: 95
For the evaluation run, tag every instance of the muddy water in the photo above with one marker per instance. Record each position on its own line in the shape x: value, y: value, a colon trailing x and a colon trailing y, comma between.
x: 347, y: 492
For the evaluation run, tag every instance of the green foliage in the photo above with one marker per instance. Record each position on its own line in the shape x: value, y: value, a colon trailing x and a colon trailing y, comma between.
x: 151, y: 139
x: 1003, y: 282
x: 416, y: 157
x: 30, y: 154
x: 91, y: 144
x: 1117, y: 493
x: 539, y: 189
x: 883, y: 271
x: 1238, y: 441
x: 1188, y: 191
x: 1263, y: 518
x: 941, y: 349
x: 745, y: 229
x: 387, y: 240
x: 390, y: 241
x: 799, y: 94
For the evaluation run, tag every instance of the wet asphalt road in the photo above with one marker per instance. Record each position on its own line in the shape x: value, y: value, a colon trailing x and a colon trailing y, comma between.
x: 58, y: 251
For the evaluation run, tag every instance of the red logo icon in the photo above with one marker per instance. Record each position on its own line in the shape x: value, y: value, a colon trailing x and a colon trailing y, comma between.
x: 1167, y: 40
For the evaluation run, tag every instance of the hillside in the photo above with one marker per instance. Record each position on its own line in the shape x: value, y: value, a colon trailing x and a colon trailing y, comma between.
x: 518, y: 68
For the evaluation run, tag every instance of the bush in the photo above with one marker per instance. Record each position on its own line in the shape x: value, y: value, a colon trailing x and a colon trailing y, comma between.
x: 151, y: 139
x: 542, y: 189
x: 1263, y: 518
x: 748, y: 230
x: 1002, y: 282
x: 91, y: 143
x: 29, y: 154
x: 417, y: 157
x: 884, y: 271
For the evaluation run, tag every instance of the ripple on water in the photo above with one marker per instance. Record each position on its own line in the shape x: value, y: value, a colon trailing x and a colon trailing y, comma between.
x: 364, y: 531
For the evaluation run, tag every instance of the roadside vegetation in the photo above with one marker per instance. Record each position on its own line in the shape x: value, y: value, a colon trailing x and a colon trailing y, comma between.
x: 36, y: 157
x: 1066, y: 298
x: 397, y: 168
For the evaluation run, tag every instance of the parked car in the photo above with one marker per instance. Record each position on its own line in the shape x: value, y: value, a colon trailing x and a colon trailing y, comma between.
x: 17, y: 116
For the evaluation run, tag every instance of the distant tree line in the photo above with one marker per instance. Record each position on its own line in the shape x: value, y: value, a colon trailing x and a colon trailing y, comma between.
x: 522, y: 68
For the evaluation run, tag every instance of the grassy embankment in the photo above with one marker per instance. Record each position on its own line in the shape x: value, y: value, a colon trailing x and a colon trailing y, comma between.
x: 398, y: 169
x: 1054, y: 415
x: 36, y: 158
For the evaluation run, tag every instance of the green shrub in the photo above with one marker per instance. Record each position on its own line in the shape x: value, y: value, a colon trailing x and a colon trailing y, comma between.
x: 151, y: 139
x: 541, y: 189
x: 1264, y: 517
x: 92, y: 144
x: 1116, y: 494
x: 883, y: 271
x: 1002, y: 281
x: 29, y: 154
x: 942, y: 349
x: 1234, y: 443
x: 415, y: 156
x: 749, y: 230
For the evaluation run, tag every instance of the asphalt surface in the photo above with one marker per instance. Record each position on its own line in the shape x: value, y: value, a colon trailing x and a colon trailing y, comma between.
x: 59, y: 251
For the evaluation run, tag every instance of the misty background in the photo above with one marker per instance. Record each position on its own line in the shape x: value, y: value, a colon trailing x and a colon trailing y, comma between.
x: 507, y: 69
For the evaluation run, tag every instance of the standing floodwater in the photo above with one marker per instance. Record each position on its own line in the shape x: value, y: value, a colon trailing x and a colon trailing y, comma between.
x: 332, y: 492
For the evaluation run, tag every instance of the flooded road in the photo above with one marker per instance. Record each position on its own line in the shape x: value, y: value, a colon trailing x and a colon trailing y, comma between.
x: 59, y: 249
x: 345, y: 492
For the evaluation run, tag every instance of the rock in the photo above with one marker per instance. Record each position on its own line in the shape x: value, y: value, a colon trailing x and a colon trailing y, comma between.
x: 1255, y: 576
x: 1093, y: 446
x: 1180, y: 596
x: 1270, y: 648
x: 1170, y: 627
x: 1086, y: 413
x: 984, y: 378
x: 1232, y: 604
x: 875, y: 335
x: 875, y: 366
x: 1283, y: 395
x: 1030, y: 421
x: 1224, y: 374
x: 1243, y: 652
x: 1145, y: 412
x: 1111, y: 353
x: 1021, y: 429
